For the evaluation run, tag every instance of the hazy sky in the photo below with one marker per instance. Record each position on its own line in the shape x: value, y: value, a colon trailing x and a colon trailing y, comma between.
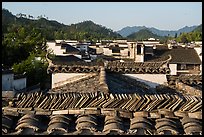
x: 115, y: 15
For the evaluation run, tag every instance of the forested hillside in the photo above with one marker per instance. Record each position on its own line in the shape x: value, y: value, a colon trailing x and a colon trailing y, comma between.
x: 145, y: 34
x: 195, y: 35
x: 86, y: 30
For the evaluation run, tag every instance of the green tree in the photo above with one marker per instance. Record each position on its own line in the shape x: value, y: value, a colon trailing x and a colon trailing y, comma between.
x: 19, y: 42
x: 35, y: 70
x: 184, y: 39
x: 175, y: 35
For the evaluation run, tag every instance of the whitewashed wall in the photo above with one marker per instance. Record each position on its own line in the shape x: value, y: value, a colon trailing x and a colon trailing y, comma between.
x: 7, y: 82
x: 139, y: 58
x: 173, y: 69
x: 19, y: 84
x: 56, y: 49
x: 107, y: 51
x: 124, y: 52
x: 198, y: 51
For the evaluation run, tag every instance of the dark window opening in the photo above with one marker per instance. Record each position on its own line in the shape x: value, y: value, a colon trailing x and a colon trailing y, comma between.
x: 139, y: 49
x: 115, y: 50
x: 148, y: 50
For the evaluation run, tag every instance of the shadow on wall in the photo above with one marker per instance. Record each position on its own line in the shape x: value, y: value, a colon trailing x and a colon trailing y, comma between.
x: 122, y: 83
x: 147, y: 82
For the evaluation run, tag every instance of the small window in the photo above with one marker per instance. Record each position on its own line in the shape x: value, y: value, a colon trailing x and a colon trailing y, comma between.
x: 183, y: 66
x: 139, y: 49
x: 115, y: 50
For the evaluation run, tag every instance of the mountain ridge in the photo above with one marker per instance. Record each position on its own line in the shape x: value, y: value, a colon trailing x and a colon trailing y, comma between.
x: 83, y: 30
x: 52, y: 29
x: 144, y: 34
x: 129, y: 30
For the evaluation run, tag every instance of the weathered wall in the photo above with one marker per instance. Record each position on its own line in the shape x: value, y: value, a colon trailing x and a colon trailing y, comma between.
x: 7, y: 82
x: 19, y: 84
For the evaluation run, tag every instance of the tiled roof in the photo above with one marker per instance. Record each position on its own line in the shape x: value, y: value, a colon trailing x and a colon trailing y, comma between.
x: 179, y: 55
x: 7, y: 71
x: 19, y: 76
x: 76, y: 67
x: 130, y: 102
x: 102, y: 113
x: 187, y: 79
x: 186, y: 84
x: 141, y: 123
x: 111, y: 82
x: 117, y: 83
x: 159, y: 67
x: 70, y: 49
x: 87, y: 84
x: 60, y: 60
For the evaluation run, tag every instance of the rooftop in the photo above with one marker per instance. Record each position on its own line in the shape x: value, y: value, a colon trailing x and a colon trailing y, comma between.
x: 106, y: 123
x: 179, y: 55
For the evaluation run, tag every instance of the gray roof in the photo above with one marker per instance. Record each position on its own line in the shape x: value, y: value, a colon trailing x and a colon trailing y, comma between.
x: 179, y: 55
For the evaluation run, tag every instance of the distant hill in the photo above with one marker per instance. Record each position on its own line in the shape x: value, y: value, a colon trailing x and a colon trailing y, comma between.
x: 91, y: 30
x: 199, y: 28
x: 52, y: 29
x: 143, y: 34
x: 129, y: 30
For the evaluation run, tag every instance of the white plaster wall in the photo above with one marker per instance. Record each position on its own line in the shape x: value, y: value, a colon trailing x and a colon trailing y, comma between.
x: 59, y: 79
x: 173, y: 69
x: 99, y: 50
x: 139, y: 58
x: 58, y: 41
x: 71, y: 42
x: 124, y: 52
x: 198, y: 51
x: 19, y: 84
x: 7, y: 82
x: 132, y: 50
x: 152, y: 80
x: 125, y: 45
x: 150, y: 42
x: 78, y: 56
x: 106, y: 51
x: 56, y: 49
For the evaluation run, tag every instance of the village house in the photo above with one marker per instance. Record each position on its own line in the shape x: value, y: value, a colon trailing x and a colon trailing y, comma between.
x: 103, y: 101
x: 121, y: 49
x: 61, y: 48
x: 183, y: 60
x: 129, y: 97
x: 145, y: 48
